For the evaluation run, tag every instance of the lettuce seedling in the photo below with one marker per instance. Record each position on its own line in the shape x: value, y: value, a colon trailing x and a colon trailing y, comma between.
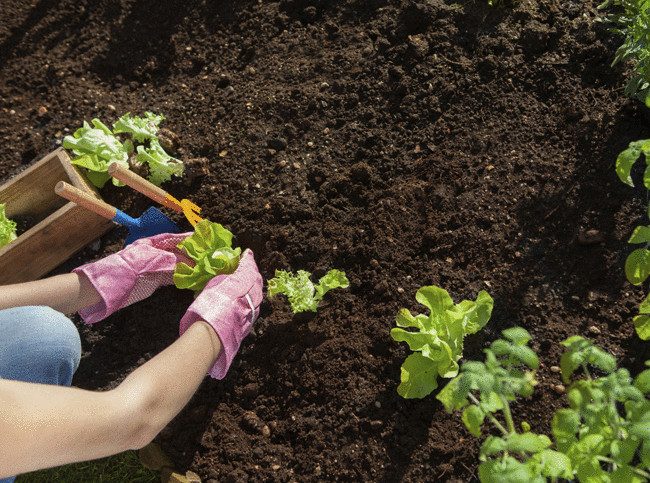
x: 141, y: 129
x: 210, y: 246
x: 7, y: 228
x: 303, y: 295
x: 437, y: 341
x: 97, y: 147
x: 161, y: 165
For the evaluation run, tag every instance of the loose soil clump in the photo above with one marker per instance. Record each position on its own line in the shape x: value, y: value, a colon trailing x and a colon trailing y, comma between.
x: 407, y: 143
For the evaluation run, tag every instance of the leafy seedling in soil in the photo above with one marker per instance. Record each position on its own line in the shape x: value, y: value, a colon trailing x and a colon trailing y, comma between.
x: 437, y: 338
x: 603, y: 436
x: 303, y: 295
x: 485, y: 389
x: 96, y: 147
x: 632, y: 20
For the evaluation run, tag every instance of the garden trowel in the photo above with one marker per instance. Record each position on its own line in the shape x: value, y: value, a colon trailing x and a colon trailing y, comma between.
x: 152, y: 222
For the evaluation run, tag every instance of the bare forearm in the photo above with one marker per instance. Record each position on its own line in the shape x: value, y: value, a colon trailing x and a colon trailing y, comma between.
x: 66, y: 293
x: 168, y: 381
x: 43, y: 426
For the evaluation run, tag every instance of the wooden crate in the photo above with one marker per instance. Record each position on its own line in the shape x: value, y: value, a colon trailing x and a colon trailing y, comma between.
x: 62, y: 227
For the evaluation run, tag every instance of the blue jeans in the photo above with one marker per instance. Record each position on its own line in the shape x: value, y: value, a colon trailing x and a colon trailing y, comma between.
x: 38, y: 344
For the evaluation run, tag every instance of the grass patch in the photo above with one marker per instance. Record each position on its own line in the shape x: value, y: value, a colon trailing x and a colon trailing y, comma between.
x: 119, y: 468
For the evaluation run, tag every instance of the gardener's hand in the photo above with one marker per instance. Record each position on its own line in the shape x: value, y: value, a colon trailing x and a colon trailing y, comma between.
x: 133, y: 273
x: 230, y: 304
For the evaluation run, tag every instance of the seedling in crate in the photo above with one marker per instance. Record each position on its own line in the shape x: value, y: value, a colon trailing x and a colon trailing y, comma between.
x: 7, y: 228
x: 437, y: 341
x: 301, y: 292
x: 96, y: 147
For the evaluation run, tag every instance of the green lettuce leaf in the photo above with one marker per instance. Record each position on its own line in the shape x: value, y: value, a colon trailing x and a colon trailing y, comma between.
x: 96, y: 148
x: 438, y: 337
x: 7, y: 228
x: 210, y: 246
x: 161, y: 165
x: 303, y: 295
x: 141, y: 129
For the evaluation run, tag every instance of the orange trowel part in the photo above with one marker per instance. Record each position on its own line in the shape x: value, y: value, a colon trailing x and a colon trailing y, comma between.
x: 159, y: 195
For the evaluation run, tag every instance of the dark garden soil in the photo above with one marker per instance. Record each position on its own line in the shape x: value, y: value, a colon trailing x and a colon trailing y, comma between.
x: 407, y: 143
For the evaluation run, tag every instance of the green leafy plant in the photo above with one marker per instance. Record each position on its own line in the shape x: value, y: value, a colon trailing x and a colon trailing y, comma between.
x: 637, y: 264
x: 605, y: 432
x: 642, y: 321
x: 96, y: 147
x: 7, y: 228
x: 210, y: 246
x: 303, y: 295
x: 508, y: 372
x: 632, y: 21
x: 437, y: 338
x: 604, y: 435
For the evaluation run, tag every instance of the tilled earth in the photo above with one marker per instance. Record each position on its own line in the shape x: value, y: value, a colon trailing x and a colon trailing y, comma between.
x: 407, y: 143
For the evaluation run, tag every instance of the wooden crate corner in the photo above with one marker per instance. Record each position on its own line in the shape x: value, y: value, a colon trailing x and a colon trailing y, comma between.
x: 62, y: 228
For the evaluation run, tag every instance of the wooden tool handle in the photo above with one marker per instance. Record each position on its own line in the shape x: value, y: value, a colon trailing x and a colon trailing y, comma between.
x: 86, y: 200
x: 140, y: 184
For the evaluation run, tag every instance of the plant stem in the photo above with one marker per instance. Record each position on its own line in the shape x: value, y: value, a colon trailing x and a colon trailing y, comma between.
x: 492, y: 418
x: 506, y: 411
x: 638, y: 471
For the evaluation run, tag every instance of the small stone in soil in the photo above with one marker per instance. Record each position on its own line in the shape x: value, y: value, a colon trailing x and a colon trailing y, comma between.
x: 252, y: 422
x: 278, y: 144
x: 591, y: 237
x: 169, y: 140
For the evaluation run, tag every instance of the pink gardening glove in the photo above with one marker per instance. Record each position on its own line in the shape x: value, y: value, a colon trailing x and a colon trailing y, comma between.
x: 230, y: 304
x: 133, y: 273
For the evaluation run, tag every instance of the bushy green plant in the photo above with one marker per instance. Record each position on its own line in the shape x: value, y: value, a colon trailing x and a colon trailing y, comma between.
x: 436, y: 339
x: 302, y: 293
x: 96, y: 147
x: 604, y: 435
x: 632, y: 20
x: 7, y: 228
x: 605, y: 432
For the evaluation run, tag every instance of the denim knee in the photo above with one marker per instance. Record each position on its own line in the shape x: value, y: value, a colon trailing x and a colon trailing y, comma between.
x: 38, y: 344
